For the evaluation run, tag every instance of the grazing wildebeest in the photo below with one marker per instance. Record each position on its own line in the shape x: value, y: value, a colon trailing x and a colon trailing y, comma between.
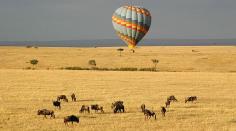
x: 84, y: 108
x: 190, y: 98
x: 46, y: 112
x: 71, y: 118
x: 73, y: 97
x: 118, y: 106
x: 57, y: 104
x: 143, y: 107
x: 167, y: 103
x: 172, y: 98
x: 62, y: 97
x: 97, y: 108
x: 148, y: 114
x: 116, y: 103
x: 163, y: 111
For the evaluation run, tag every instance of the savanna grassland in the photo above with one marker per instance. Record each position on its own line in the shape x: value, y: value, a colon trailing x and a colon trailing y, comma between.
x: 208, y: 72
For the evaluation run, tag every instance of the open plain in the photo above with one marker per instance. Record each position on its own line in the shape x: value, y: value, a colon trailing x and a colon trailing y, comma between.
x: 208, y: 72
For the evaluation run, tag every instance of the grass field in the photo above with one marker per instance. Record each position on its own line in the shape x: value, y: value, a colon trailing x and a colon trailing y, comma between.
x: 208, y: 73
x: 172, y: 58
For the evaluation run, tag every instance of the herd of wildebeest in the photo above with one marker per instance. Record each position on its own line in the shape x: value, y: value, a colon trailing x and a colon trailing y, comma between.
x: 117, y: 106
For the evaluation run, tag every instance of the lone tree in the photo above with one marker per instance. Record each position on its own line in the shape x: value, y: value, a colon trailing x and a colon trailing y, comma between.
x: 120, y: 50
x: 28, y: 46
x: 92, y: 62
x: 155, y: 61
x: 34, y: 62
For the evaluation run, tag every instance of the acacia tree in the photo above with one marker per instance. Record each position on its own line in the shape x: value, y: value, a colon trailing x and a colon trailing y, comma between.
x: 155, y: 61
x: 34, y: 62
x: 120, y: 50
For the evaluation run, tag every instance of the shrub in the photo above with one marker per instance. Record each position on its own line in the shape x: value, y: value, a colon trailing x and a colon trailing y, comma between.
x: 147, y: 69
x: 95, y: 68
x: 155, y: 61
x: 128, y: 69
x: 73, y: 68
x: 34, y: 62
x: 105, y: 69
x: 27, y: 68
x: 92, y: 62
x: 115, y: 69
x: 110, y: 69
x: 28, y: 46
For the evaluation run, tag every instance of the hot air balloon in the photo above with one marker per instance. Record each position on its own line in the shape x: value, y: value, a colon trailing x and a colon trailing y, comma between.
x: 131, y: 24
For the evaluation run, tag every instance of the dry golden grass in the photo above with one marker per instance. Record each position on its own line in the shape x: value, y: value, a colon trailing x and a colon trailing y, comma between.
x: 180, y: 58
x: 23, y: 92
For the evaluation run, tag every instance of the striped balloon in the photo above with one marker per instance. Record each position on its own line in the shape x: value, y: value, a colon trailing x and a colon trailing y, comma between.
x: 131, y: 24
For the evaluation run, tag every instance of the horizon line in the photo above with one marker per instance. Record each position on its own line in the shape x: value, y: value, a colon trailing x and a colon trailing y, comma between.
x: 118, y: 39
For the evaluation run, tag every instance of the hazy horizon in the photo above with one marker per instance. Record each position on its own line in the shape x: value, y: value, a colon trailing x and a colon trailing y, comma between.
x: 55, y: 20
x: 118, y: 43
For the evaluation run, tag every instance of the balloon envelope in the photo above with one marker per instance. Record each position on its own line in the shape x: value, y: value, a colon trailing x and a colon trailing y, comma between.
x: 131, y: 23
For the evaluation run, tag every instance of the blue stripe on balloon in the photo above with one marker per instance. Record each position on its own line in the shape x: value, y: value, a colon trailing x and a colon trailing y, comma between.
x: 123, y: 17
x: 129, y: 19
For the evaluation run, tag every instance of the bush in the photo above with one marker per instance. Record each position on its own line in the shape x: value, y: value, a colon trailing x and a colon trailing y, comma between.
x: 28, y: 68
x: 109, y: 69
x: 73, y: 68
x: 92, y: 62
x: 128, y: 69
x: 103, y: 69
x: 34, y: 61
x: 115, y: 69
x: 155, y: 61
x: 147, y: 69
x: 95, y: 68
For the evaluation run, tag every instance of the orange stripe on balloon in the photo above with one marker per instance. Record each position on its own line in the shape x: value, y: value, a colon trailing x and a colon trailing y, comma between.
x: 129, y: 24
x: 127, y: 39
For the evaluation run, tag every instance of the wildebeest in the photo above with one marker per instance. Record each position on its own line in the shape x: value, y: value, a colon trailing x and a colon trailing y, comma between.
x: 57, y: 104
x: 163, y: 111
x: 62, y: 97
x: 71, y: 118
x: 172, y: 98
x: 190, y: 98
x: 46, y: 112
x: 97, y: 108
x: 118, y: 106
x: 167, y: 103
x: 116, y: 103
x: 84, y: 108
x: 143, y: 107
x: 148, y: 114
x: 73, y: 97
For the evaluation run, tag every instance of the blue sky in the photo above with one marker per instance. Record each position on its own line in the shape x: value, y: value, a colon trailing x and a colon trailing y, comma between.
x: 91, y: 19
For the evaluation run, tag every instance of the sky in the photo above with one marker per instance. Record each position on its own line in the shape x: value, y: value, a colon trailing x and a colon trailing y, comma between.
x: 49, y: 20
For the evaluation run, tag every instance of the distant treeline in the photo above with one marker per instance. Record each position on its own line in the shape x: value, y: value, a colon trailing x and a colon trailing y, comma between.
x: 111, y: 69
x: 117, y: 42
